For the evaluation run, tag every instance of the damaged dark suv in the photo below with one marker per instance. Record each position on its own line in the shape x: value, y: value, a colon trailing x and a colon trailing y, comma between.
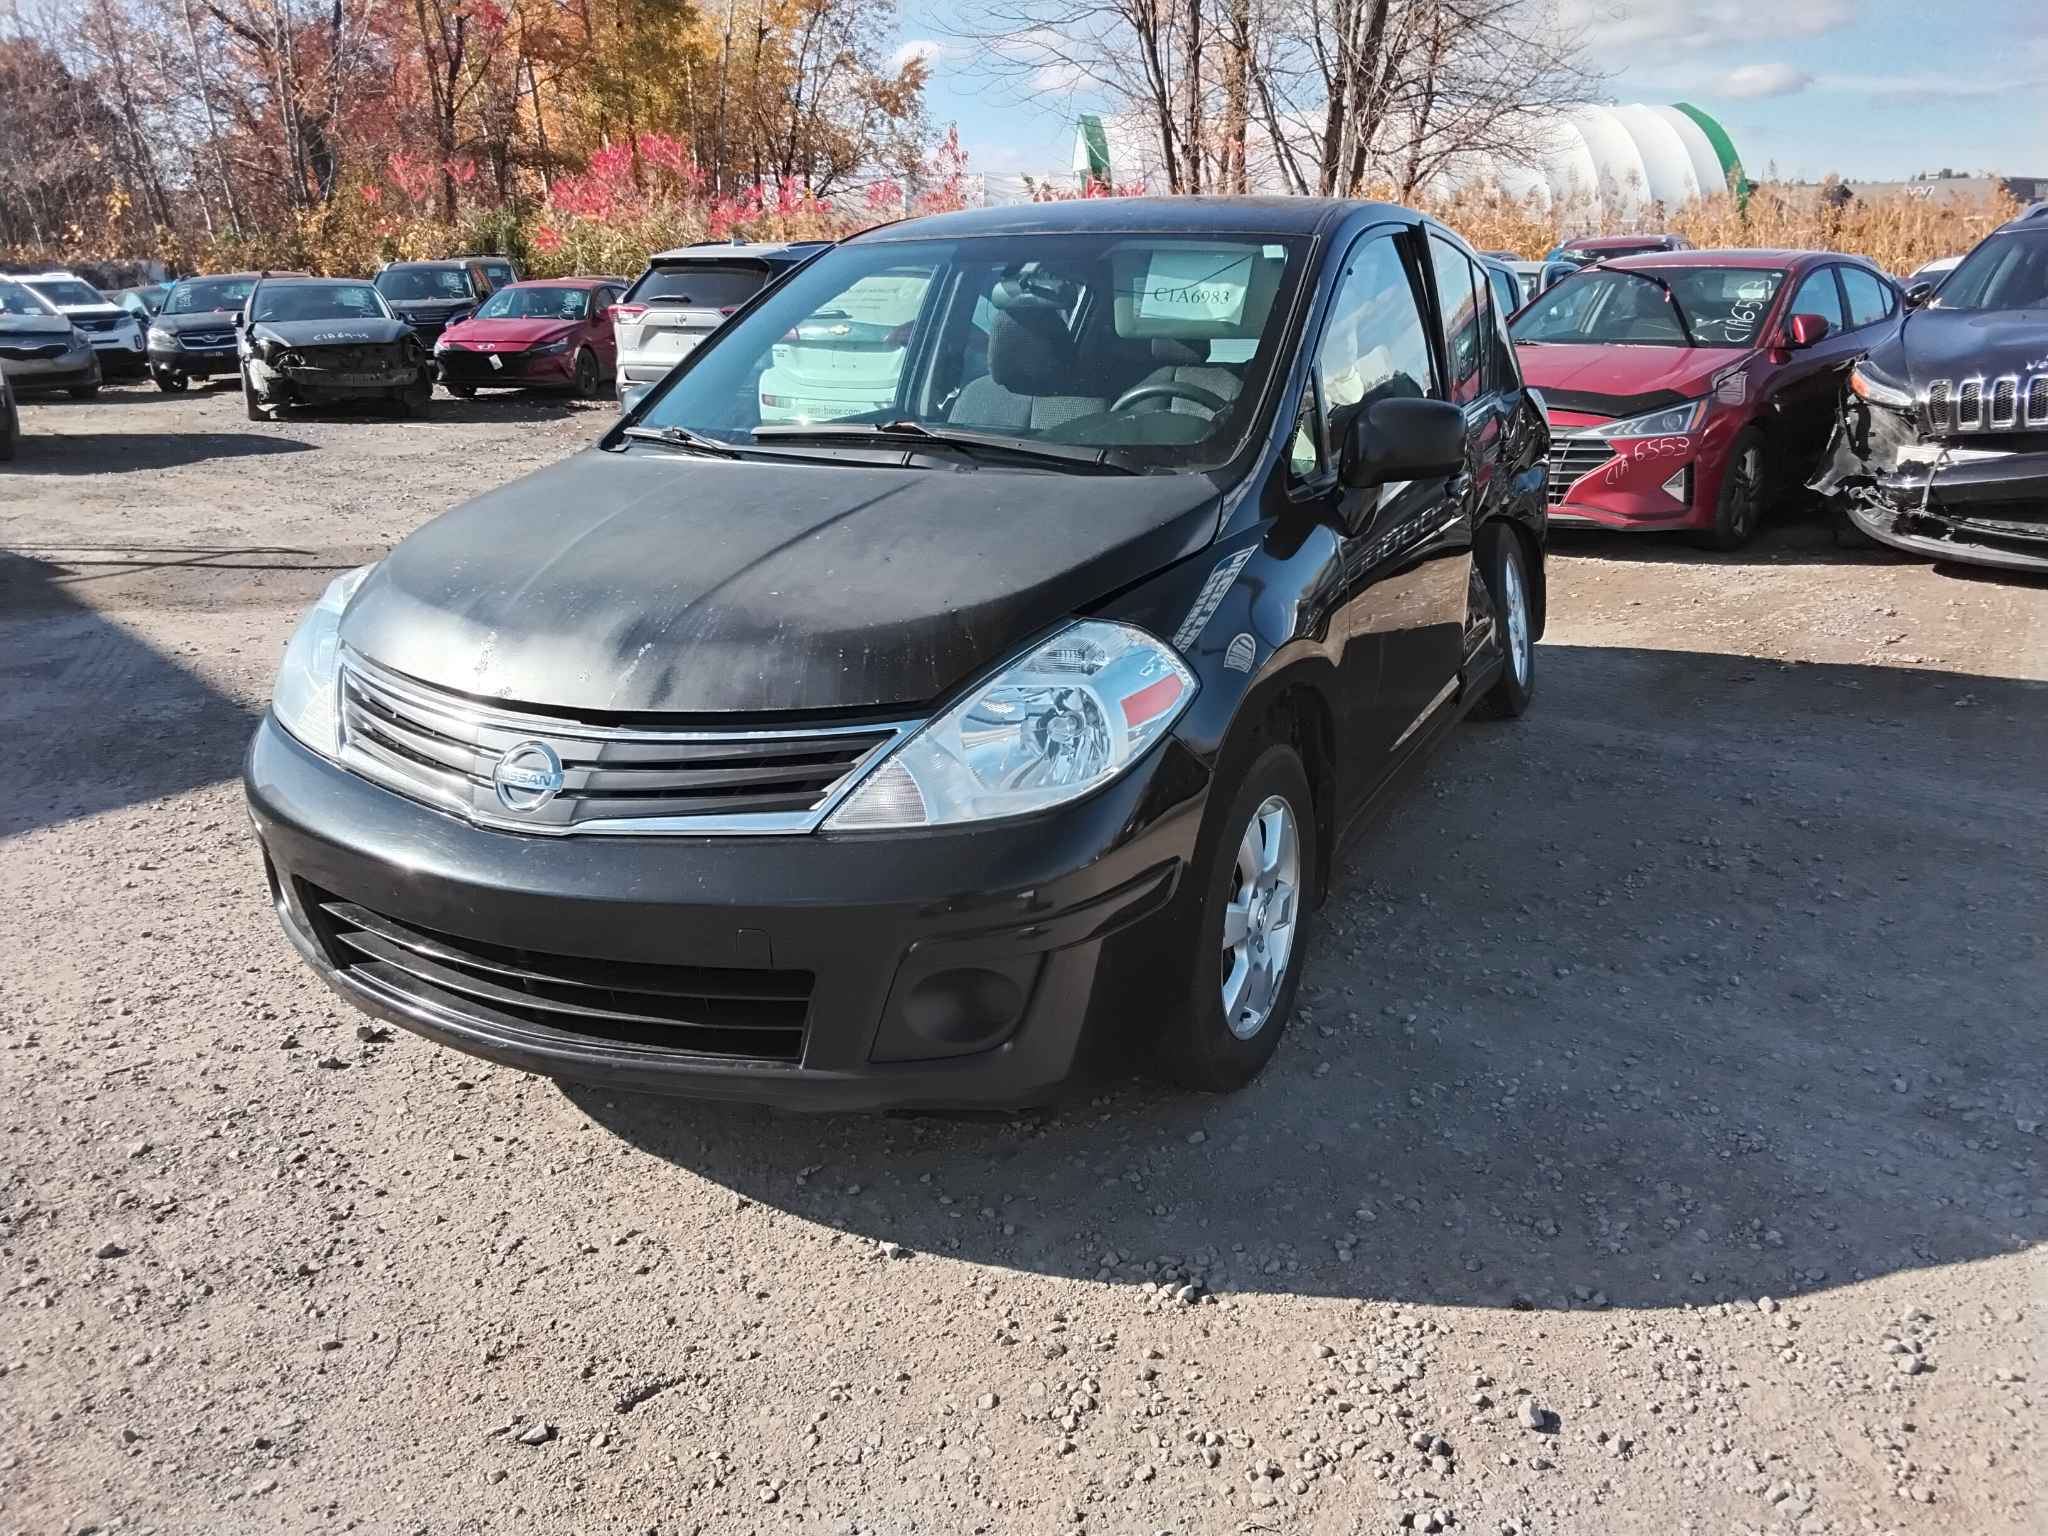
x: 1942, y: 449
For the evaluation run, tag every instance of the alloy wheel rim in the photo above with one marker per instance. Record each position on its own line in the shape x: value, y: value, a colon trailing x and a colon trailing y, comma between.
x: 1260, y: 918
x: 1517, y: 603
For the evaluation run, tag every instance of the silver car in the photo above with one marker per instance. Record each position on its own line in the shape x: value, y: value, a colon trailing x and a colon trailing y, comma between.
x: 40, y: 348
x: 116, y: 333
x: 685, y: 295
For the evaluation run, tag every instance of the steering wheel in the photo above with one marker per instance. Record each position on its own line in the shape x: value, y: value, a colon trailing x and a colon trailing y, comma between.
x: 1207, y: 399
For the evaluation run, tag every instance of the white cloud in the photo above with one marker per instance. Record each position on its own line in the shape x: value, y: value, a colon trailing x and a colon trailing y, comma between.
x: 1613, y: 28
x: 1751, y: 82
x: 1931, y: 83
x: 929, y: 49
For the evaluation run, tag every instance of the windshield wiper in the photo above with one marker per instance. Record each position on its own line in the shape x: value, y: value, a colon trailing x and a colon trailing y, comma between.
x: 1677, y: 308
x: 684, y: 438
x: 918, y: 434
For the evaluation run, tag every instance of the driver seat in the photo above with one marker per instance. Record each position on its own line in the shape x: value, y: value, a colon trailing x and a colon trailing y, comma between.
x: 1032, y: 364
x: 1187, y: 362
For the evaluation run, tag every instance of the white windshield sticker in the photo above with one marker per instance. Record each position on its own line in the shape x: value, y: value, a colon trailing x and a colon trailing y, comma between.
x: 1184, y: 283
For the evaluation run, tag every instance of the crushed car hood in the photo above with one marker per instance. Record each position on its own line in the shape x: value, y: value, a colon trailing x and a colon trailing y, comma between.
x: 1965, y: 343
x: 650, y: 581
x: 1620, y: 381
x: 332, y: 333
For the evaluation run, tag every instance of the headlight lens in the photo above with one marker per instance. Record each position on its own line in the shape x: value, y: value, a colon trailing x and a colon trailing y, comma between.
x: 305, y: 699
x: 1865, y: 384
x: 79, y: 339
x: 159, y: 337
x: 1672, y: 421
x: 1052, y: 726
x: 552, y: 348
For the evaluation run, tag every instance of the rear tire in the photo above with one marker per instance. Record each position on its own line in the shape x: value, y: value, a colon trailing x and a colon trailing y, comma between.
x: 1255, y: 880
x: 1503, y: 568
x: 1739, y: 509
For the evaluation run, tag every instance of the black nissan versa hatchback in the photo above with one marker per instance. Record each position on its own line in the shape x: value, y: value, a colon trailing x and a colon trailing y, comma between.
x: 916, y: 756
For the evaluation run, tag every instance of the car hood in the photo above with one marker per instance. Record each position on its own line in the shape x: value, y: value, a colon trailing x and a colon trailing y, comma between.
x: 331, y: 333
x: 195, y: 320
x: 95, y: 312
x: 1621, y: 381
x: 507, y: 333
x: 650, y: 581
x: 55, y: 327
x: 1964, y: 343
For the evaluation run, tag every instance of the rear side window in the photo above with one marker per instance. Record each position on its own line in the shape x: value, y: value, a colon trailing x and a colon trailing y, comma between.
x: 1869, y: 300
x: 1462, y: 340
x: 698, y: 285
x: 1817, y: 296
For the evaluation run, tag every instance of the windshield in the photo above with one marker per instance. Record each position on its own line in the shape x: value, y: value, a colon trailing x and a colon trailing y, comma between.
x: 206, y: 295
x: 536, y: 304
x: 15, y: 299
x: 68, y: 290
x: 319, y: 301
x: 1155, y: 346
x: 1724, y: 306
x: 2007, y: 271
x: 407, y: 283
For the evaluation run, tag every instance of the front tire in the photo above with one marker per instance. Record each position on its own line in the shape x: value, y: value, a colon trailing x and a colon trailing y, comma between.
x: 250, y: 408
x: 82, y: 391
x: 1739, y: 509
x: 588, y: 379
x: 1256, y: 879
x: 170, y: 383
x: 462, y: 391
x: 1503, y: 567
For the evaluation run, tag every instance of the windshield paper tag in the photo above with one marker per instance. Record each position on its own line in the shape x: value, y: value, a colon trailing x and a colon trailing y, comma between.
x: 1202, y: 285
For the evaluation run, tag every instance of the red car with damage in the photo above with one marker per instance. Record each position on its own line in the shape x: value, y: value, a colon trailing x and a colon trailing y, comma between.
x: 1690, y: 389
x: 550, y: 333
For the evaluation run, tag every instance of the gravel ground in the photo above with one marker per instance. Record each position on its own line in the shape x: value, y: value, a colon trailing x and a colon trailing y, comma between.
x: 1659, y: 1148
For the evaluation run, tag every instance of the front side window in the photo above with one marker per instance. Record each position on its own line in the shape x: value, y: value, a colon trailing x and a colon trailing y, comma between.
x: 1157, y: 346
x: 2007, y: 271
x: 207, y: 295
x: 1376, y: 345
x: 536, y: 303
x: 1653, y: 307
x: 343, y: 301
x: 1460, y: 301
x: 1817, y: 296
x: 1869, y: 299
x: 406, y: 284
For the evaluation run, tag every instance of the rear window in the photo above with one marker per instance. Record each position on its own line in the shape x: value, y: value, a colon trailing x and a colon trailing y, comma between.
x: 699, y: 285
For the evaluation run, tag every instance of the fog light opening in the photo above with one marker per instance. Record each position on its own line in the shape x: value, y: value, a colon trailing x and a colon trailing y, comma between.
x: 1679, y: 486
x: 964, y: 1007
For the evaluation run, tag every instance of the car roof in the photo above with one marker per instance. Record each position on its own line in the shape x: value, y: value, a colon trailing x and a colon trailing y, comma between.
x: 1650, y: 260
x: 439, y: 261
x: 47, y: 277
x: 1133, y: 215
x: 563, y: 282
x: 1610, y: 242
x: 231, y: 277
x: 719, y: 250
x: 300, y: 280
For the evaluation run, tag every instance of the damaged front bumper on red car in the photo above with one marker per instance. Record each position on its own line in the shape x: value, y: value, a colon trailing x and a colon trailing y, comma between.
x: 1646, y: 483
x: 1980, y: 500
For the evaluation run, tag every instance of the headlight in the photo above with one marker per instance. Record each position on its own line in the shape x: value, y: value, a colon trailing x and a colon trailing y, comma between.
x: 1866, y: 384
x: 79, y: 339
x: 1673, y: 421
x: 161, y: 338
x: 304, y: 700
x: 552, y: 349
x: 1054, y: 725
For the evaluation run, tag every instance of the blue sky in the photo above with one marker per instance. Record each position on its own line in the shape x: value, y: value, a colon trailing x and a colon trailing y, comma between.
x: 1872, y: 89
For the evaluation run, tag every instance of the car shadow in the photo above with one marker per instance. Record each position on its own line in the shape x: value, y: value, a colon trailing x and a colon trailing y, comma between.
x: 1711, y: 978
x: 107, y: 453
x: 96, y: 719
x: 516, y: 405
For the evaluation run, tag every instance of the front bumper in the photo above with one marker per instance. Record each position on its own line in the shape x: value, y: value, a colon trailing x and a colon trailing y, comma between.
x: 281, y: 386
x: 969, y: 968
x: 1627, y: 485
x: 1971, y: 500
x: 53, y: 373
x: 191, y: 364
x: 121, y: 352
x: 516, y: 370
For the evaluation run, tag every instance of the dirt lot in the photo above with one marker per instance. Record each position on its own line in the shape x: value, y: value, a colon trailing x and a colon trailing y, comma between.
x: 1672, y: 1081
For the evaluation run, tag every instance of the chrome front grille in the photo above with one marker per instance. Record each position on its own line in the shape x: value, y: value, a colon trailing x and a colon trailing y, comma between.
x: 479, y: 761
x: 2005, y: 404
x: 207, y: 341
x: 1572, y: 457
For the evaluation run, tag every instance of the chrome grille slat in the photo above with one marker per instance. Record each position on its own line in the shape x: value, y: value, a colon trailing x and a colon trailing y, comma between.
x: 2011, y: 402
x: 1572, y: 457
x: 444, y: 748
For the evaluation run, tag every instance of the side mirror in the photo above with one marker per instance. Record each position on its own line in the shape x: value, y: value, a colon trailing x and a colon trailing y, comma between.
x: 1805, y: 330
x: 1919, y: 294
x: 1402, y: 440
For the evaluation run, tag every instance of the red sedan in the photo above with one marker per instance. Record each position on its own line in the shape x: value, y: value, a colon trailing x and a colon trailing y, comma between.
x: 550, y: 334
x: 1687, y: 389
